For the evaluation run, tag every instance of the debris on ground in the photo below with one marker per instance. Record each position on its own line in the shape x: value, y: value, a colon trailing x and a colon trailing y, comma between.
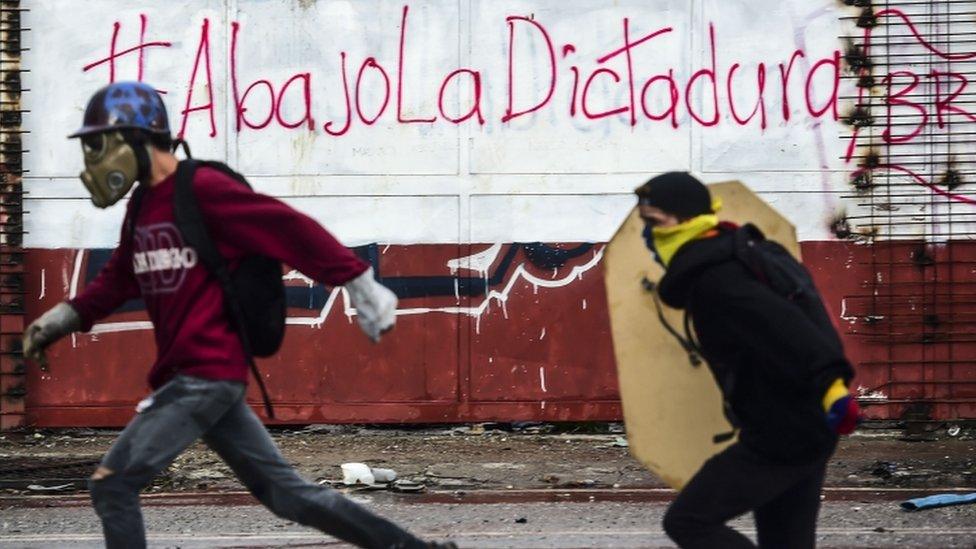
x: 48, y: 473
x: 448, y: 457
x: 407, y: 486
x: 57, y: 488
x: 922, y: 471
x: 938, y: 500
x: 383, y: 476
x: 884, y: 469
x: 357, y: 473
x: 327, y: 429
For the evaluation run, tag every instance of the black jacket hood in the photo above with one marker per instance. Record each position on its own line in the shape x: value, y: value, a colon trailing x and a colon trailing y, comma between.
x: 693, y: 258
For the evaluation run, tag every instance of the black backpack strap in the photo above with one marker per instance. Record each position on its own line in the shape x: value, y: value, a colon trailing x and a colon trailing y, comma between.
x: 745, y: 241
x: 135, y: 202
x: 694, y: 353
x: 226, y: 170
x: 690, y: 336
x: 694, y: 350
x: 191, y: 224
x: 189, y: 219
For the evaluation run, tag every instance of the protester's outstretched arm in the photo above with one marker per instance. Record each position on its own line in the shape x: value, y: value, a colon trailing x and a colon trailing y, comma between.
x: 260, y: 224
x: 255, y: 223
x: 57, y: 322
x: 115, y: 284
x: 375, y: 304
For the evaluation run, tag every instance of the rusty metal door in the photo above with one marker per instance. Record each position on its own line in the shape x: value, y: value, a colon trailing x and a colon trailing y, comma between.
x: 912, y: 148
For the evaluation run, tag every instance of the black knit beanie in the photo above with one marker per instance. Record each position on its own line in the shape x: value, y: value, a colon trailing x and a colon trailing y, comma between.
x: 677, y: 193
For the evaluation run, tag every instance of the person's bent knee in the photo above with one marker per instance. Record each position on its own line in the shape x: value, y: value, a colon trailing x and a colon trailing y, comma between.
x: 106, y: 487
x: 101, y: 482
x: 101, y: 473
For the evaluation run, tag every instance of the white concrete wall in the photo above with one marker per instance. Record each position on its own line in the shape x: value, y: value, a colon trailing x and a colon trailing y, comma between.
x: 552, y: 175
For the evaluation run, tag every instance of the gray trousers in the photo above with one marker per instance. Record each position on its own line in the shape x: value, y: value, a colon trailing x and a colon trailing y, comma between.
x: 188, y: 408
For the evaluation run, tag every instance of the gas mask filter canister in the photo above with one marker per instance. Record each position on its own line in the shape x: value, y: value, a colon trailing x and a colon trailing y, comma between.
x: 112, y: 166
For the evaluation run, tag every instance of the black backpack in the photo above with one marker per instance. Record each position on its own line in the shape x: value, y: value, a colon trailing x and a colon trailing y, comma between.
x: 773, y: 265
x: 254, y: 293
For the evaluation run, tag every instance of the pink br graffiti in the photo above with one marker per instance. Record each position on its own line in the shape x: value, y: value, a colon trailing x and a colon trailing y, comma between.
x: 898, y: 87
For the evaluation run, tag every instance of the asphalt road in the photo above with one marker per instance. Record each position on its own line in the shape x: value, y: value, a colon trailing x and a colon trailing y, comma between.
x: 513, y: 520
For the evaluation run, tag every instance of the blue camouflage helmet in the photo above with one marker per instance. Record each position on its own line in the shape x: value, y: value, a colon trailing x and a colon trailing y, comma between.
x: 125, y: 105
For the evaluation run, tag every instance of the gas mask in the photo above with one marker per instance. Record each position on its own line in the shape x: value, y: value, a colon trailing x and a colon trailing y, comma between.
x: 113, y: 163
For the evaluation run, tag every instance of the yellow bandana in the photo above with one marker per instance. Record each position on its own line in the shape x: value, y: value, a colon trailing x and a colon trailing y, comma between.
x: 668, y: 240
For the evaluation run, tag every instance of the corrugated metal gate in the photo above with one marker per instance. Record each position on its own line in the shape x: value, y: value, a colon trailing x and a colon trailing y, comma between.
x: 12, y: 384
x: 913, y: 145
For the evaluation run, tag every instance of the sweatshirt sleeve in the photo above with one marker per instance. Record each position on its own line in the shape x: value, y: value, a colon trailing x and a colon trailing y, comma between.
x: 255, y: 223
x: 115, y: 284
x: 776, y: 332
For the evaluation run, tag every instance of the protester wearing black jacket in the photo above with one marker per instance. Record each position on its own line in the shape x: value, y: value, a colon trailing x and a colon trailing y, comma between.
x: 773, y: 363
x: 781, y: 373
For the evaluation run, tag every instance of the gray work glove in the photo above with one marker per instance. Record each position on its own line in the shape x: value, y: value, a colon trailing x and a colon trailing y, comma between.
x: 375, y: 304
x: 59, y: 321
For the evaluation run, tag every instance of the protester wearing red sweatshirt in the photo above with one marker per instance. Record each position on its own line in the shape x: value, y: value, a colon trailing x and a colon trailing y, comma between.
x: 201, y: 368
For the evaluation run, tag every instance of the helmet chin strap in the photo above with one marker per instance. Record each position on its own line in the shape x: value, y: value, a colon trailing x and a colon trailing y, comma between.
x: 143, y: 161
x: 179, y: 142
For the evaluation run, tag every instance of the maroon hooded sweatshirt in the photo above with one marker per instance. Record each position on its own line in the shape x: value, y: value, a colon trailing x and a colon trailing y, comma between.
x: 185, y: 303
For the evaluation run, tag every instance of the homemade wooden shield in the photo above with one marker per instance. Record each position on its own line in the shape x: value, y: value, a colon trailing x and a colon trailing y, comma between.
x: 672, y: 409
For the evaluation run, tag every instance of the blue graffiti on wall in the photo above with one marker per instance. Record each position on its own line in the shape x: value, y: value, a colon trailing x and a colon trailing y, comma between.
x: 542, y: 256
